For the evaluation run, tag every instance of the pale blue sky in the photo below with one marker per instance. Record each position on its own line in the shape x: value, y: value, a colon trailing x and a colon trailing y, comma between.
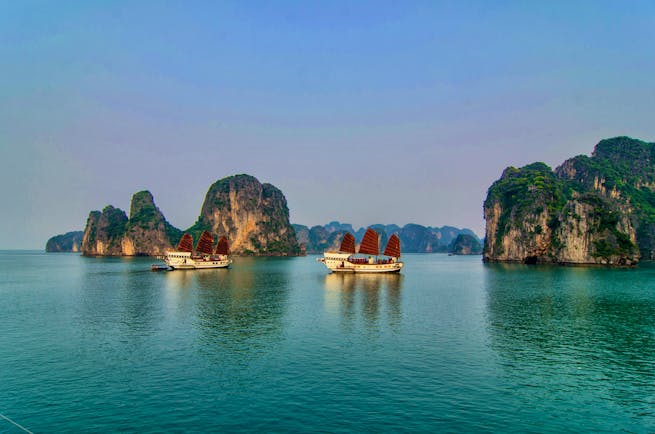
x: 365, y: 112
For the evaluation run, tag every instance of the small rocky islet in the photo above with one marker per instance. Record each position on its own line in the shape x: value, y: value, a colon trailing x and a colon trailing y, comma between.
x: 68, y: 242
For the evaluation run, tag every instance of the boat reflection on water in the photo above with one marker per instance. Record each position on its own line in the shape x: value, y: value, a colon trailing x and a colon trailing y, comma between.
x: 346, y: 293
x: 179, y: 293
x: 236, y: 310
x: 181, y: 280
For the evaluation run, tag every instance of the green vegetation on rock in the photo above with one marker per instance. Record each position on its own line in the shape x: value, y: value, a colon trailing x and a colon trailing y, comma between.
x: 525, y: 194
x: 104, y: 232
x: 68, y: 242
x: 253, y: 216
x: 613, y: 192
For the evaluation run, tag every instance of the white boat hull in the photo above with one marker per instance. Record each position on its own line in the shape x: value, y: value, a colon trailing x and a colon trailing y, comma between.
x: 184, y: 261
x: 341, y: 263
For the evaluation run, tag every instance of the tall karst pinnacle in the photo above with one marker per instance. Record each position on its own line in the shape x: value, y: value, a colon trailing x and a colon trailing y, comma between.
x: 252, y: 215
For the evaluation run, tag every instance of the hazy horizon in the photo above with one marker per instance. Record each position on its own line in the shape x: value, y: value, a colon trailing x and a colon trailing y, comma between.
x: 324, y: 223
x: 367, y: 112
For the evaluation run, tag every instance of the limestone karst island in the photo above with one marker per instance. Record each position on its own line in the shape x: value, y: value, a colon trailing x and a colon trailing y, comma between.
x: 590, y: 210
x: 255, y: 219
x: 252, y: 215
x: 597, y: 210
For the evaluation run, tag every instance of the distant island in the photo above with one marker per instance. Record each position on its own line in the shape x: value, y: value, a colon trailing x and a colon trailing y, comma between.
x: 589, y: 210
x: 68, y: 242
x: 253, y: 216
x: 413, y: 238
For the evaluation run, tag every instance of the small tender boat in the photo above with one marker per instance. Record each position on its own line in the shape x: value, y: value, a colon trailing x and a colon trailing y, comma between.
x: 157, y: 267
x: 368, y: 260
x: 185, y: 258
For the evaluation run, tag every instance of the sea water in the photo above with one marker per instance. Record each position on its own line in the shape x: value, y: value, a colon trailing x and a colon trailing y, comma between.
x: 279, y: 344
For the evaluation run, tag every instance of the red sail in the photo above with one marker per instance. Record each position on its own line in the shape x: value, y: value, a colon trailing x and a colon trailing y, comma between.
x: 185, y: 244
x: 370, y: 243
x: 205, y: 244
x: 348, y: 243
x: 393, y: 247
x: 223, y: 247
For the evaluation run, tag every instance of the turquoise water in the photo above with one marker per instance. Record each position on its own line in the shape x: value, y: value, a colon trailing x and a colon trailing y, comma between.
x: 277, y: 344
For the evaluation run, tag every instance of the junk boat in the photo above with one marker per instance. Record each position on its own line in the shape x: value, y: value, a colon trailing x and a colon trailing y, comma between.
x: 368, y: 261
x: 184, y: 257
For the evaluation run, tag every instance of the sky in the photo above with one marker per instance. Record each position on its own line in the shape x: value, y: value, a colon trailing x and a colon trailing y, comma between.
x: 363, y: 112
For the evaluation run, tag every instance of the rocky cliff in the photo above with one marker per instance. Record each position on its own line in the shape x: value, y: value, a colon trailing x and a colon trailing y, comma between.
x: 104, y: 232
x: 413, y: 238
x: 590, y: 210
x: 146, y: 232
x: 253, y: 216
x: 68, y: 242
